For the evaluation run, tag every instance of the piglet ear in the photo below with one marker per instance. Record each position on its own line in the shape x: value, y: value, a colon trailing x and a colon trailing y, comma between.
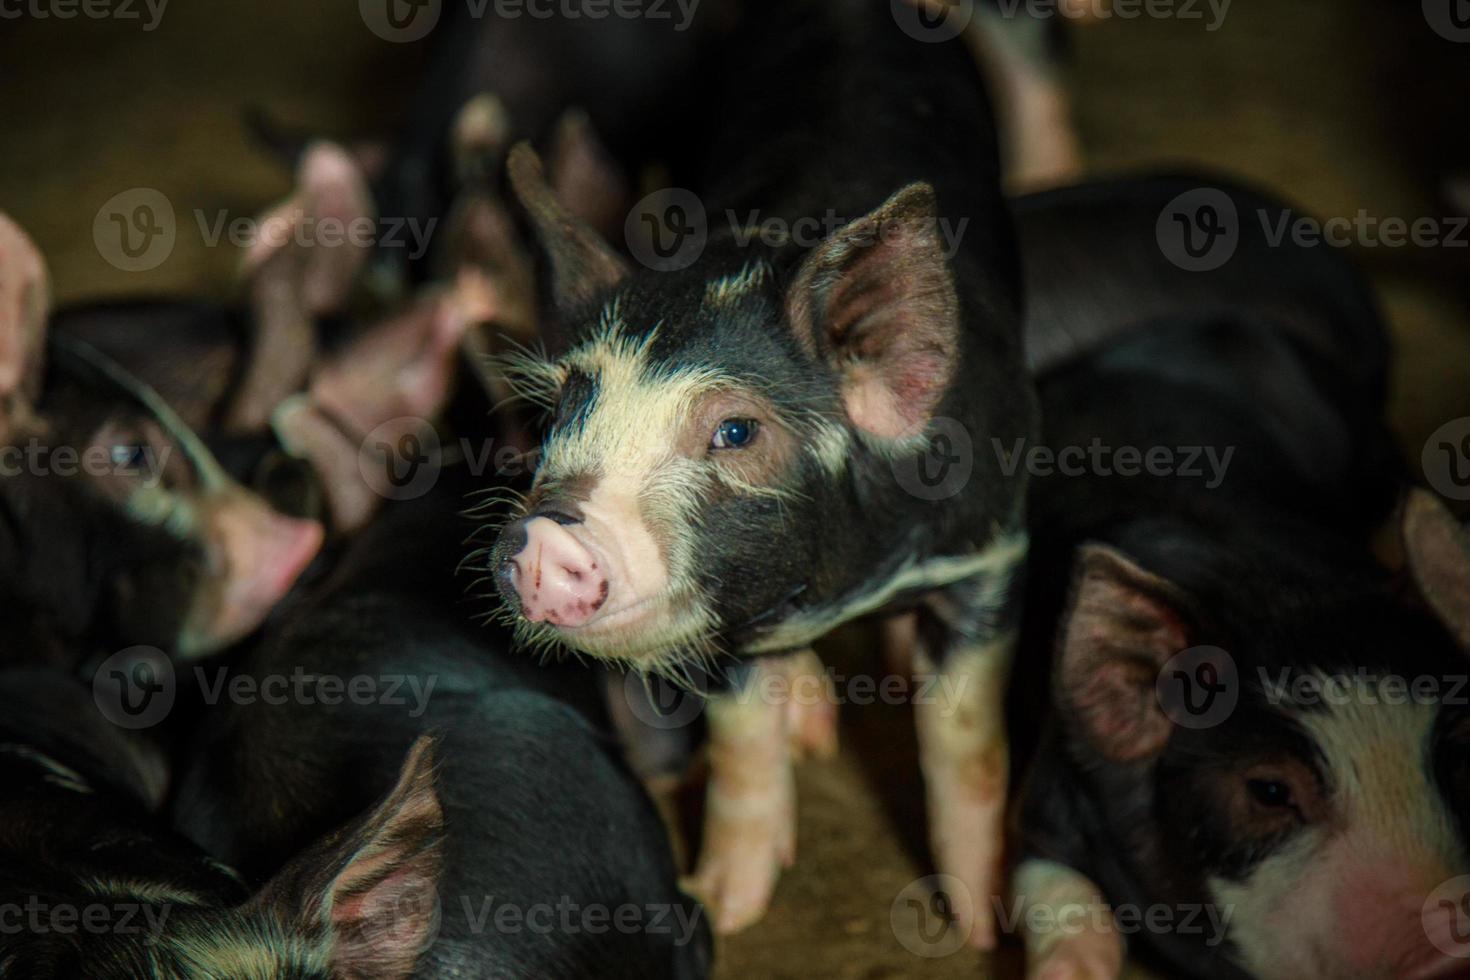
x: 877, y: 301
x: 1122, y: 626
x: 585, y: 177
x: 1438, y: 550
x: 25, y: 303
x: 372, y: 886
x: 583, y: 266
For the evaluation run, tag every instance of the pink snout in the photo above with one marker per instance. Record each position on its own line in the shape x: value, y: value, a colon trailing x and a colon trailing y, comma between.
x: 555, y: 576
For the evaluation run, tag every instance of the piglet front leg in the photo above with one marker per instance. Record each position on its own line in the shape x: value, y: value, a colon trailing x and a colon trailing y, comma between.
x: 750, y: 806
x: 963, y: 748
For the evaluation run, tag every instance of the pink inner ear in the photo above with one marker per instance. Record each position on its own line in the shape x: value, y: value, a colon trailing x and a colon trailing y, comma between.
x: 24, y: 300
x: 901, y: 336
x: 878, y: 299
x: 1438, y: 549
x: 1117, y: 636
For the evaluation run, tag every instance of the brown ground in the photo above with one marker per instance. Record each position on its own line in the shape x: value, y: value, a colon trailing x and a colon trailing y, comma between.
x: 1341, y: 104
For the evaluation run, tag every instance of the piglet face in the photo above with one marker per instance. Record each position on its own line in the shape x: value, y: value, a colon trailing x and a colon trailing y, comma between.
x: 1324, y: 814
x: 151, y: 542
x: 1327, y: 848
x: 657, y: 485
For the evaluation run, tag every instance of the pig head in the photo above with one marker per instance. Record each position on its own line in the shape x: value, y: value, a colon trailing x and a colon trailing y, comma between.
x: 718, y: 470
x: 118, y: 526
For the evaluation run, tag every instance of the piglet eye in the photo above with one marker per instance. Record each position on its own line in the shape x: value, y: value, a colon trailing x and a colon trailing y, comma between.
x: 734, y: 434
x: 130, y: 457
x: 1270, y: 793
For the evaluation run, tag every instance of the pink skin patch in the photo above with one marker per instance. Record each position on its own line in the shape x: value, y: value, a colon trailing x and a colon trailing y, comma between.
x: 1379, y: 910
x: 557, y: 578
x: 261, y: 554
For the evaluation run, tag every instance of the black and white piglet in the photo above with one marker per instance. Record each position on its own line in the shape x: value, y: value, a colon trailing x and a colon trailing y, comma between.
x: 1253, y: 763
x: 723, y: 472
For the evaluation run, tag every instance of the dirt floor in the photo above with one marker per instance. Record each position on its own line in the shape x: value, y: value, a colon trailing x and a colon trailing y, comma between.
x: 1340, y: 104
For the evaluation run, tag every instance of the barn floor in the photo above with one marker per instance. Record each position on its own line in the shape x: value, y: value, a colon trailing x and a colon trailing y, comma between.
x: 1340, y: 104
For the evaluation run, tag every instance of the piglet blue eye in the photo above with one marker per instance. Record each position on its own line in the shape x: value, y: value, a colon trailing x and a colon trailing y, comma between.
x: 734, y: 434
x: 129, y: 457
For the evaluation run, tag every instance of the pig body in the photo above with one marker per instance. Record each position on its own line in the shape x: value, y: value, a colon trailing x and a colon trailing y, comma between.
x: 724, y: 470
x: 1222, y: 740
x: 546, y: 829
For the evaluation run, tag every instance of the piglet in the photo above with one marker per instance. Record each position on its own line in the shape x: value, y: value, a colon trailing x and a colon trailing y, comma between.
x: 1227, y: 776
x: 121, y: 527
x: 95, y: 884
x: 730, y: 468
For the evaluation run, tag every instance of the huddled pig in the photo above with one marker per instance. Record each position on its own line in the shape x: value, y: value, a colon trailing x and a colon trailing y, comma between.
x: 1250, y: 764
x: 93, y: 883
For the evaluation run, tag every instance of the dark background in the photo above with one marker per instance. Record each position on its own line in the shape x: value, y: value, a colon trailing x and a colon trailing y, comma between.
x: 1341, y: 105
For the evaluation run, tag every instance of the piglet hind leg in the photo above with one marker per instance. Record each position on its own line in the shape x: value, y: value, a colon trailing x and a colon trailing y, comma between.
x: 959, y: 708
x: 1071, y: 935
x: 811, y: 705
x: 750, y: 806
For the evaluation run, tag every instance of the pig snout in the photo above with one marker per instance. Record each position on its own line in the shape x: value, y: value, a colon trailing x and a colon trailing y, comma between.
x: 258, y: 555
x: 545, y: 571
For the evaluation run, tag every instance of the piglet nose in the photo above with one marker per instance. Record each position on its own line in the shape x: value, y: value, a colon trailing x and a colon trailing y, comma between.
x: 556, y: 578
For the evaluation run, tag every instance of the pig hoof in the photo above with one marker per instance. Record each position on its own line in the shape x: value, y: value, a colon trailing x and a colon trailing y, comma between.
x: 742, y: 858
